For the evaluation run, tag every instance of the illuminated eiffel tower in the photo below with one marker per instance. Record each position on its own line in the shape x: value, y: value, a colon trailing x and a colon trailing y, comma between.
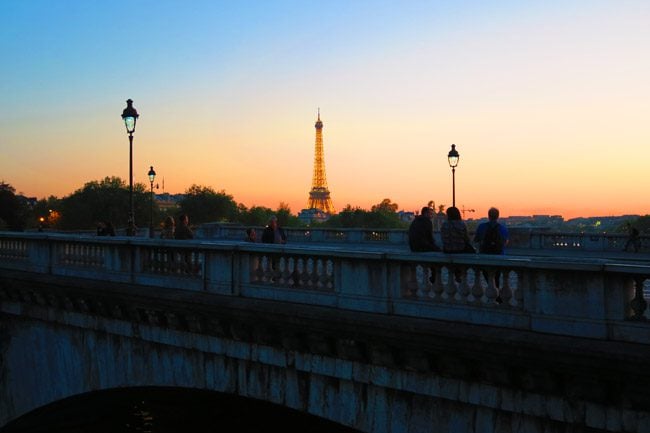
x: 319, y: 196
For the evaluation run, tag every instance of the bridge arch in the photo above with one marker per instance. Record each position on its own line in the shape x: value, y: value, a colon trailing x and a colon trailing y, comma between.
x: 167, y: 410
x: 58, y: 367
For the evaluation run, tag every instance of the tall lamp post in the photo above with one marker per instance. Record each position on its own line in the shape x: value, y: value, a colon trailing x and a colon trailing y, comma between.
x: 152, y: 176
x: 453, y: 157
x: 130, y: 116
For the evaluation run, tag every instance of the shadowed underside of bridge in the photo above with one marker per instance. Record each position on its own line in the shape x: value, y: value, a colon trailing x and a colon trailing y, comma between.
x: 64, y: 337
x: 167, y: 410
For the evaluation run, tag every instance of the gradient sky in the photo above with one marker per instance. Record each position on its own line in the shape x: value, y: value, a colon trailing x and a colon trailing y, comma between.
x: 548, y: 102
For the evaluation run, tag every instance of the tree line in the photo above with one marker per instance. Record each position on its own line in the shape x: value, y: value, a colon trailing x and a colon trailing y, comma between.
x: 108, y: 200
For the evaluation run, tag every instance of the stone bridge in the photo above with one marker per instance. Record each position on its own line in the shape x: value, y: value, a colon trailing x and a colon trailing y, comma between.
x: 375, y: 341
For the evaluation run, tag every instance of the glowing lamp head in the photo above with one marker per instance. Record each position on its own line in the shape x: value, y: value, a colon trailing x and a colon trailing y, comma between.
x: 130, y: 116
x: 151, y: 174
x: 453, y: 156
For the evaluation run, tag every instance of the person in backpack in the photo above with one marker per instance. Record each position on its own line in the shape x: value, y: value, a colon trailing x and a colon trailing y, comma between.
x: 492, y: 238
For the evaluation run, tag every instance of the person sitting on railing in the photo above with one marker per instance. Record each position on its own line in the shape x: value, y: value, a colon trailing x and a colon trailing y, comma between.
x: 455, y: 238
x: 251, y: 235
x: 183, y: 230
x: 492, y: 238
x: 421, y: 232
x: 168, y: 229
x: 273, y: 233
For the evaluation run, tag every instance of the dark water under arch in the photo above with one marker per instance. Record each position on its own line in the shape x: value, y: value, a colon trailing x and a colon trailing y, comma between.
x: 167, y: 410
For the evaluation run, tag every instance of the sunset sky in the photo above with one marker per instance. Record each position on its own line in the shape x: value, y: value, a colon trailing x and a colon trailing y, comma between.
x: 548, y: 102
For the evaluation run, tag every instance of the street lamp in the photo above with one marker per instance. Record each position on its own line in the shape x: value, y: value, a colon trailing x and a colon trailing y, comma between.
x: 453, y: 157
x: 130, y: 116
x: 152, y: 176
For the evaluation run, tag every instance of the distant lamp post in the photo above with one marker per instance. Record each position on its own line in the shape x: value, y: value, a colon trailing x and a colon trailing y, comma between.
x: 130, y: 116
x: 453, y: 157
x: 152, y: 176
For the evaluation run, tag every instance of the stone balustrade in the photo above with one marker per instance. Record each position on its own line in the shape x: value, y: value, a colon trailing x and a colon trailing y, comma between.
x: 592, y: 298
x: 520, y: 238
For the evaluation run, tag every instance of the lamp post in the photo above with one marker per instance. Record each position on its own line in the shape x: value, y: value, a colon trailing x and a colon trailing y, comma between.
x: 130, y: 116
x: 453, y: 157
x: 152, y: 176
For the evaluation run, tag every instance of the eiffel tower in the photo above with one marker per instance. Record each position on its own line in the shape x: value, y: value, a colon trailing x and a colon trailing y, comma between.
x: 319, y: 196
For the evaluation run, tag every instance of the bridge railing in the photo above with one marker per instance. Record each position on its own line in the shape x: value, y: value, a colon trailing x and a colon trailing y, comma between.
x: 520, y: 237
x: 593, y: 298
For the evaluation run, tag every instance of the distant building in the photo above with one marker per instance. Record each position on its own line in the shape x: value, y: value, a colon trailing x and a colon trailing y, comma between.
x: 168, y: 201
x: 308, y: 216
x: 406, y: 216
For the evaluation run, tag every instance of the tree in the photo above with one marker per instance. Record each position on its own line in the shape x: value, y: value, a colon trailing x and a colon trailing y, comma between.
x: 203, y: 204
x: 14, y: 209
x: 285, y: 217
x: 642, y: 224
x: 379, y: 217
x: 385, y: 206
x: 104, y: 200
x: 255, y: 216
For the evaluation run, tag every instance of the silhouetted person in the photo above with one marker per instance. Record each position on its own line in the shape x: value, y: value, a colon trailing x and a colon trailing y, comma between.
x: 251, y: 235
x: 454, y: 237
x: 273, y: 233
x: 168, y: 229
x: 131, y: 228
x: 109, y: 229
x: 454, y: 233
x: 183, y: 230
x: 492, y: 238
x: 101, y: 228
x: 633, y: 238
x: 421, y: 232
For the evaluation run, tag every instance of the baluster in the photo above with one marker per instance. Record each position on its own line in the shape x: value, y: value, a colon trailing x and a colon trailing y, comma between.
x: 450, y: 288
x: 438, y: 288
x: 323, y: 279
x: 330, y: 275
x: 491, y: 290
x: 638, y: 304
x: 464, y: 289
x: 278, y: 271
x: 476, y: 291
x: 506, y: 290
x: 286, y: 273
x: 413, y: 285
x: 290, y: 272
x: 197, y: 263
x: 304, y: 273
x: 314, y: 274
x: 295, y: 274
x: 519, y: 293
x: 304, y: 276
x: 266, y: 265
x: 257, y: 271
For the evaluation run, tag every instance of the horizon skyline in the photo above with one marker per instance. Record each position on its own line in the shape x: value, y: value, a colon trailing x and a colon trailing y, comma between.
x: 472, y: 216
x: 547, y: 104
